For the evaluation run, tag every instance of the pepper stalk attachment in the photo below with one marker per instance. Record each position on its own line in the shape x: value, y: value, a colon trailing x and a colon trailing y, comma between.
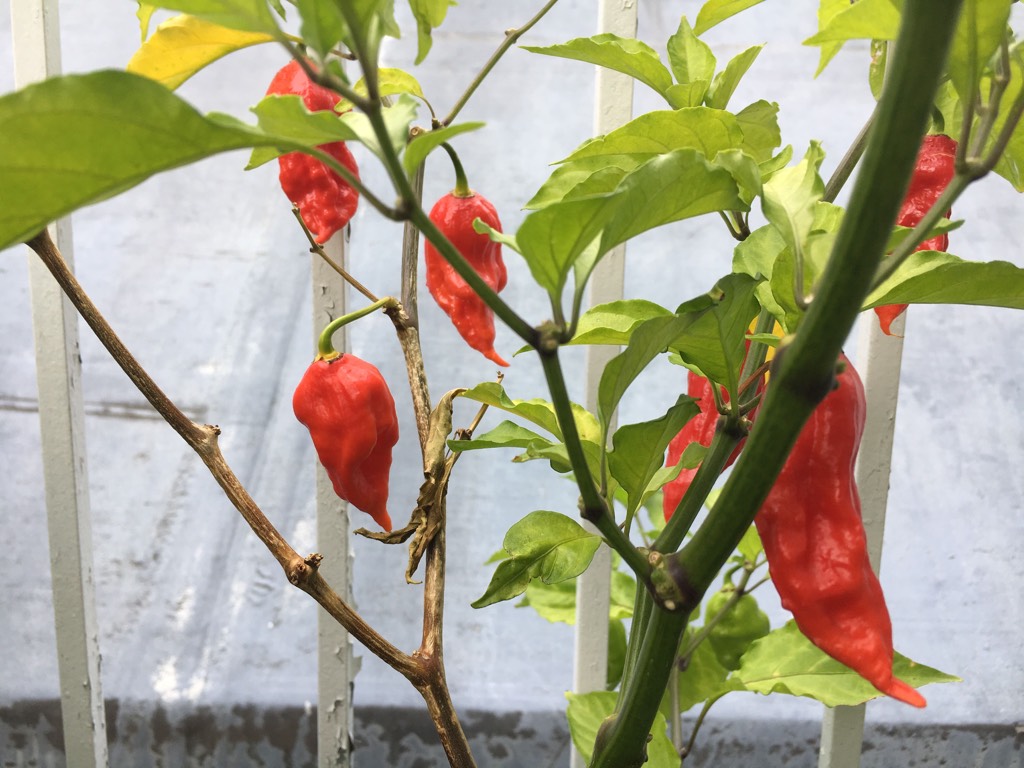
x: 325, y: 348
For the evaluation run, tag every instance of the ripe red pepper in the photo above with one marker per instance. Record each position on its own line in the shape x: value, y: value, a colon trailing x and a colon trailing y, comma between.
x: 326, y: 201
x: 813, y: 536
x: 454, y: 214
x: 351, y: 416
x: 932, y: 174
x: 700, y: 429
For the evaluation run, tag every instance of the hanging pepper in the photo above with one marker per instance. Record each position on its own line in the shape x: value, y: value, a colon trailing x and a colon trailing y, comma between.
x: 813, y: 536
x: 325, y: 200
x: 932, y: 174
x: 350, y: 413
x: 454, y: 214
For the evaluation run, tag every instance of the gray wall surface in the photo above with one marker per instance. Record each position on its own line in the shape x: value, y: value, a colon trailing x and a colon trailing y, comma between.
x: 205, y: 275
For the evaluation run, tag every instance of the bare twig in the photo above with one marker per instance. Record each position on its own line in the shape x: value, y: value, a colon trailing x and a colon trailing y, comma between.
x: 202, y: 438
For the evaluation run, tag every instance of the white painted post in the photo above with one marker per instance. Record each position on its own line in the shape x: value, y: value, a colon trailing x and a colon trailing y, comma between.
x: 35, y: 31
x: 613, y: 107
x: 878, y: 361
x: 335, y: 660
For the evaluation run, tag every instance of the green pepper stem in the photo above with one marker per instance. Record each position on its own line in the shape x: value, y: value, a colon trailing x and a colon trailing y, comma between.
x: 803, y: 368
x: 461, y: 185
x: 325, y: 349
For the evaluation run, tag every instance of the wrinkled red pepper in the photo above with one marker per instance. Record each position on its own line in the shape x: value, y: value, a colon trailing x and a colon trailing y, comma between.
x: 932, y: 174
x: 813, y: 536
x: 326, y: 201
x: 454, y: 214
x: 350, y: 413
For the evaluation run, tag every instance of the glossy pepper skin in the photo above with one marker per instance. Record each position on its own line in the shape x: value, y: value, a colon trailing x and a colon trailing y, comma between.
x: 932, y: 173
x: 453, y: 214
x: 350, y: 413
x: 699, y: 429
x: 813, y: 536
x: 326, y: 201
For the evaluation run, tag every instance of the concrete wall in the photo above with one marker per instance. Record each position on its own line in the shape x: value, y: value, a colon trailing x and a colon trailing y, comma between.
x: 205, y: 275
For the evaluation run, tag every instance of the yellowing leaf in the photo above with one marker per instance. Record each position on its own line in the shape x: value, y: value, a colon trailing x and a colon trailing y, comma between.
x: 144, y: 14
x: 183, y: 45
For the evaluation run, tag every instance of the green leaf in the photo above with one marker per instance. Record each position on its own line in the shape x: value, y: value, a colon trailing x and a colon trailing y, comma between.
x: 933, y: 277
x: 692, y: 62
x: 876, y: 69
x: 429, y: 15
x: 397, y: 119
x: 552, y: 238
x: 539, y: 412
x: 785, y: 661
x: 671, y: 187
x: 423, y: 144
x: 716, y: 341
x: 543, y: 545
x: 578, y: 178
x: 655, y: 133
x: 648, y: 340
x: 614, y: 322
x: 183, y: 45
x: 125, y: 129
x: 978, y: 33
x: 750, y: 545
x: 863, y: 20
x: 621, y: 54
x: 638, y: 450
x: 557, y: 602
x: 790, y: 197
x: 1011, y: 164
x: 740, y: 625
x: 508, y: 434
x: 725, y: 82
x: 587, y: 711
x: 246, y: 15
x: 704, y: 676
x: 760, y: 125
x: 322, y: 26
x: 716, y: 11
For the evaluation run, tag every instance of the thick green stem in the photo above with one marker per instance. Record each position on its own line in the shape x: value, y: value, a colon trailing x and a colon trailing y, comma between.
x: 622, y: 739
x: 803, y: 369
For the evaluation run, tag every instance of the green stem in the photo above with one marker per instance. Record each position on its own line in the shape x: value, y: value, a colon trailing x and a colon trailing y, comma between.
x: 594, y: 507
x: 696, y: 726
x: 622, y: 739
x: 461, y: 185
x: 803, y: 369
x: 511, y: 36
x: 325, y: 348
x: 705, y: 631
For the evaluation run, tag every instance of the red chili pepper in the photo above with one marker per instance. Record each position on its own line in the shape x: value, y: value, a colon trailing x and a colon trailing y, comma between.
x: 454, y: 214
x: 326, y: 201
x: 932, y: 174
x: 813, y: 537
x: 351, y: 416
